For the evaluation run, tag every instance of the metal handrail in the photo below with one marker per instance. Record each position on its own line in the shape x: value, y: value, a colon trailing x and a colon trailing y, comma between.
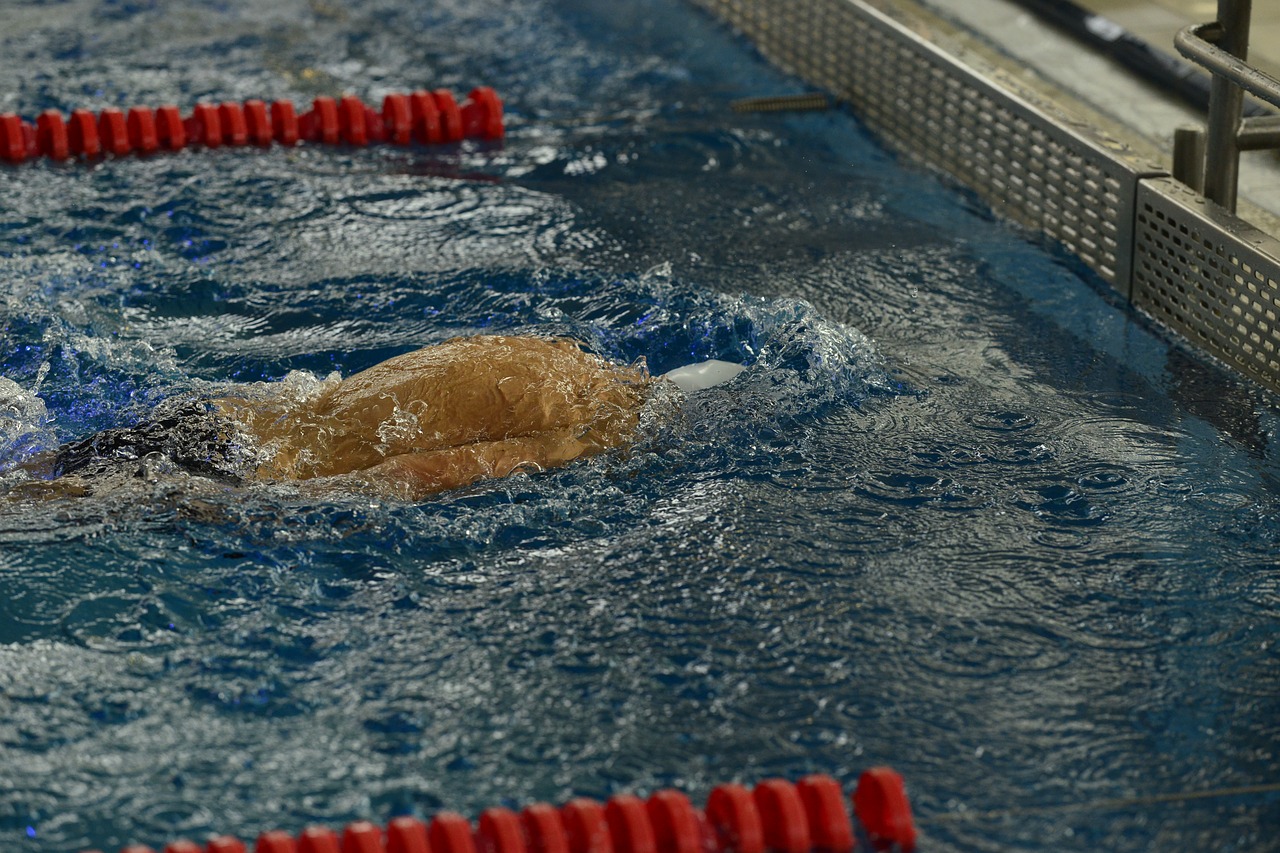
x: 1221, y: 48
x: 1198, y: 43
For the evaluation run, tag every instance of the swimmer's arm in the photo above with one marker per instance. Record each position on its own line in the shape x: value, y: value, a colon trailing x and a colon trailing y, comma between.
x: 413, y: 476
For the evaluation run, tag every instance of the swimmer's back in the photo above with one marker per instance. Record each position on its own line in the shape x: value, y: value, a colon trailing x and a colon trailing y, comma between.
x: 465, y: 390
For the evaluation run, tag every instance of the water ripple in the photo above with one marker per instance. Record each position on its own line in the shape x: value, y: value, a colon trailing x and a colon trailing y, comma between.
x: 959, y: 515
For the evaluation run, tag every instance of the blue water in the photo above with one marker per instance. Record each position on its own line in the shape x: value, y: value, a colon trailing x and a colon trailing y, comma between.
x: 962, y: 515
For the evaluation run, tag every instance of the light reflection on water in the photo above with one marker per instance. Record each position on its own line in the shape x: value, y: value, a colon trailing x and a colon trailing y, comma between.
x: 994, y: 544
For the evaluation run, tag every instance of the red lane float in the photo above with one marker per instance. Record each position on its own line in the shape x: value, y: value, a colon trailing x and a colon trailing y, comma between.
x: 226, y: 844
x: 276, y: 842
x: 782, y: 817
x: 881, y: 804
x: 183, y: 847
x: 113, y: 132
x: 735, y: 823
x: 829, y: 828
x: 141, y: 123
x: 498, y: 831
x: 544, y: 829
x: 585, y: 826
x: 257, y: 122
x: 677, y: 827
x: 51, y: 135
x: 629, y: 825
x: 423, y: 117
x: 13, y: 143
x: 450, y: 115
x: 810, y: 816
x: 407, y: 835
x: 450, y: 832
x: 397, y: 121
x: 284, y: 121
x: 82, y: 130
x: 171, y: 131
x: 235, y: 131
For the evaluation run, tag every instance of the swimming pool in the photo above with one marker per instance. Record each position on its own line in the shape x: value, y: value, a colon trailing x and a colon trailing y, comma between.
x: 962, y: 515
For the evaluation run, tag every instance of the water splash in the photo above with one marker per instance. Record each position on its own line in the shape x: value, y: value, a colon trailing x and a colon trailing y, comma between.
x: 24, y: 422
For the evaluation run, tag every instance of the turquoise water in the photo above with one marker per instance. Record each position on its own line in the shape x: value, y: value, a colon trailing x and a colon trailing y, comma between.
x: 962, y: 514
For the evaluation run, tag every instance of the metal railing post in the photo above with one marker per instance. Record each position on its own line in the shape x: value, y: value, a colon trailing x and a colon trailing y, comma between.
x: 1222, y: 152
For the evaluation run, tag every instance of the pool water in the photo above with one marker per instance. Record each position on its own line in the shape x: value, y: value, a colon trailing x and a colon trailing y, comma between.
x: 962, y: 514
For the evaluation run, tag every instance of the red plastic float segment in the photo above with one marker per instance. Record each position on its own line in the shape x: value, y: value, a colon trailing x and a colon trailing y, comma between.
x: 450, y: 832
x: 225, y: 844
x: 13, y: 143
x: 275, y: 841
x: 318, y: 839
x: 141, y: 123
x: 585, y: 826
x: 321, y: 123
x: 113, y: 133
x: 629, y: 826
x: 544, y: 829
x: 482, y: 114
x: 782, y: 816
x: 397, y: 121
x: 498, y: 831
x: 676, y: 827
x: 407, y: 835
x: 82, y: 132
x: 183, y: 846
x: 426, y: 118
x: 352, y: 126
x: 362, y: 837
x: 235, y: 131
x: 450, y: 115
x: 373, y: 125
x: 734, y: 820
x: 171, y: 132
x: 881, y: 804
x: 284, y: 123
x: 830, y: 830
x: 257, y: 122
x: 204, y: 127
x: 51, y: 135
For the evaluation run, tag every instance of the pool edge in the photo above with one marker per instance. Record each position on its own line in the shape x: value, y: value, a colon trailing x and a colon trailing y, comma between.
x: 1042, y: 158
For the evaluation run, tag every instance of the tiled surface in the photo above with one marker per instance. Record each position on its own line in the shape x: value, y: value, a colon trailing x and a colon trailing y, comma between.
x: 1110, y: 89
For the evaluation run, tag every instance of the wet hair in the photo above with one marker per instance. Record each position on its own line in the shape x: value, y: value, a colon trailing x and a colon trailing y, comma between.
x: 192, y: 438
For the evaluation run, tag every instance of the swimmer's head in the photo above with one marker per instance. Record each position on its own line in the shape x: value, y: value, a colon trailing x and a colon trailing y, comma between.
x: 704, y: 374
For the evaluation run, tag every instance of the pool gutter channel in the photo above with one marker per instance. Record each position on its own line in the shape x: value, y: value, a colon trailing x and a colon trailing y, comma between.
x: 1040, y: 157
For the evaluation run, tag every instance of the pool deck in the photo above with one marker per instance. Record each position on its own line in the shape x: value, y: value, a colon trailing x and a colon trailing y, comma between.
x: 1112, y: 90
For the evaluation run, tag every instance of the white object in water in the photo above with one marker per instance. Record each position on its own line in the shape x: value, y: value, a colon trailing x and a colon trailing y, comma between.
x: 704, y: 374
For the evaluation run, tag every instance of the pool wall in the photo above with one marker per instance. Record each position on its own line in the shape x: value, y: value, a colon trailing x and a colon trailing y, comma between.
x: 1041, y: 158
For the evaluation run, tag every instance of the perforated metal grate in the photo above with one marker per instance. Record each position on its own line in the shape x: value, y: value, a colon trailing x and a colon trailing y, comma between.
x: 1210, y: 276
x: 1067, y: 182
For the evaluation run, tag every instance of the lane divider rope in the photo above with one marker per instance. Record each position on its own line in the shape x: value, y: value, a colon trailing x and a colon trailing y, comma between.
x: 422, y: 117
x: 777, y: 816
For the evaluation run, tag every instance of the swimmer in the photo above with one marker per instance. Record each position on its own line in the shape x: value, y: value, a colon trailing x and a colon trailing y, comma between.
x: 449, y: 415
